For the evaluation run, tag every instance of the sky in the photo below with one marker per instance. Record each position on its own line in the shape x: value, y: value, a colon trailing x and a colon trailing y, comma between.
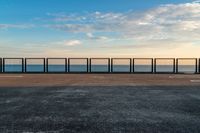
x: 100, y: 28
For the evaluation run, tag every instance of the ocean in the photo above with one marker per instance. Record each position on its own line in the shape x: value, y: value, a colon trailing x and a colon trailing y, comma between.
x: 98, y: 68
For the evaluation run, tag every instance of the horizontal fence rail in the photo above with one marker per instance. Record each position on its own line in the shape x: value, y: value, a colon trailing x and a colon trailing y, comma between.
x: 56, y: 65
x: 101, y: 65
x: 121, y: 65
x: 13, y: 65
x: 164, y: 65
x: 35, y: 65
x: 143, y: 65
x: 78, y: 65
x: 189, y: 65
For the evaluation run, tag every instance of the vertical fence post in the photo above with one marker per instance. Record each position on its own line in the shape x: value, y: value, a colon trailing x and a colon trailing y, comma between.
x: 47, y: 65
x: 25, y: 65
x: 68, y: 64
x: 155, y: 65
x: 4, y: 65
x: 174, y: 65
x: 152, y: 65
x: 22, y: 65
x: 133, y: 65
x: 111, y: 65
x: 196, y: 66
x: 66, y: 67
x: 87, y: 65
x: 90, y: 64
x: 177, y: 65
x: 130, y: 65
x: 44, y: 64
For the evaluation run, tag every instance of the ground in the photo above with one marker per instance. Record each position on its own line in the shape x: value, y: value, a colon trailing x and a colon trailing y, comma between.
x: 25, y: 80
x: 100, y: 109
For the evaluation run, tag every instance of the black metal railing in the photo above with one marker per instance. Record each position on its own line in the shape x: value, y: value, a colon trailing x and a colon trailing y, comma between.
x: 35, y: 65
x: 143, y: 65
x: 118, y: 63
x: 75, y: 63
x: 194, y: 64
x: 162, y: 62
x: 100, y: 65
x: 12, y: 65
x: 56, y: 65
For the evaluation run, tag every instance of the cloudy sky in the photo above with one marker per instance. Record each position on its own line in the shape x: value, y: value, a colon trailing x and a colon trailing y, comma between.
x: 99, y: 28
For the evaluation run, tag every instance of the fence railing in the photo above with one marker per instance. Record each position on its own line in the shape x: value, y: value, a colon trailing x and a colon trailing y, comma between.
x: 165, y: 65
x: 100, y: 65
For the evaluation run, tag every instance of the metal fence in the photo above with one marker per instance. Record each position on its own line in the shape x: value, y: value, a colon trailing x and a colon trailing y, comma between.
x: 13, y: 65
x: 186, y: 65
x: 143, y: 65
x: 78, y: 65
x: 121, y: 65
x: 35, y: 65
x: 100, y: 65
x: 165, y: 65
x: 56, y: 65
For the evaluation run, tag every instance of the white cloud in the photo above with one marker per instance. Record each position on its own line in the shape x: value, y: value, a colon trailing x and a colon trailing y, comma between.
x: 92, y: 36
x: 66, y: 43
x: 72, y: 42
x: 168, y: 30
x: 196, y: 1
x: 172, y: 29
x: 171, y: 21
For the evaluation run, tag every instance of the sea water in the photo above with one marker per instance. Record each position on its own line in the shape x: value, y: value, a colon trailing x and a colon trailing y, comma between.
x: 98, y: 68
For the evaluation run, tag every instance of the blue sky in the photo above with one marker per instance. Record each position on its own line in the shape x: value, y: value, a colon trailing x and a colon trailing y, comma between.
x: 99, y: 28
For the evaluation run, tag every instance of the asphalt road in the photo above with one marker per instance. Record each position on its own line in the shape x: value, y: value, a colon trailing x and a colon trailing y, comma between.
x: 89, y: 109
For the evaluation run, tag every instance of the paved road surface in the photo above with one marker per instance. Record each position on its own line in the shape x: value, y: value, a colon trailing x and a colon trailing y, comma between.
x: 100, y: 109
